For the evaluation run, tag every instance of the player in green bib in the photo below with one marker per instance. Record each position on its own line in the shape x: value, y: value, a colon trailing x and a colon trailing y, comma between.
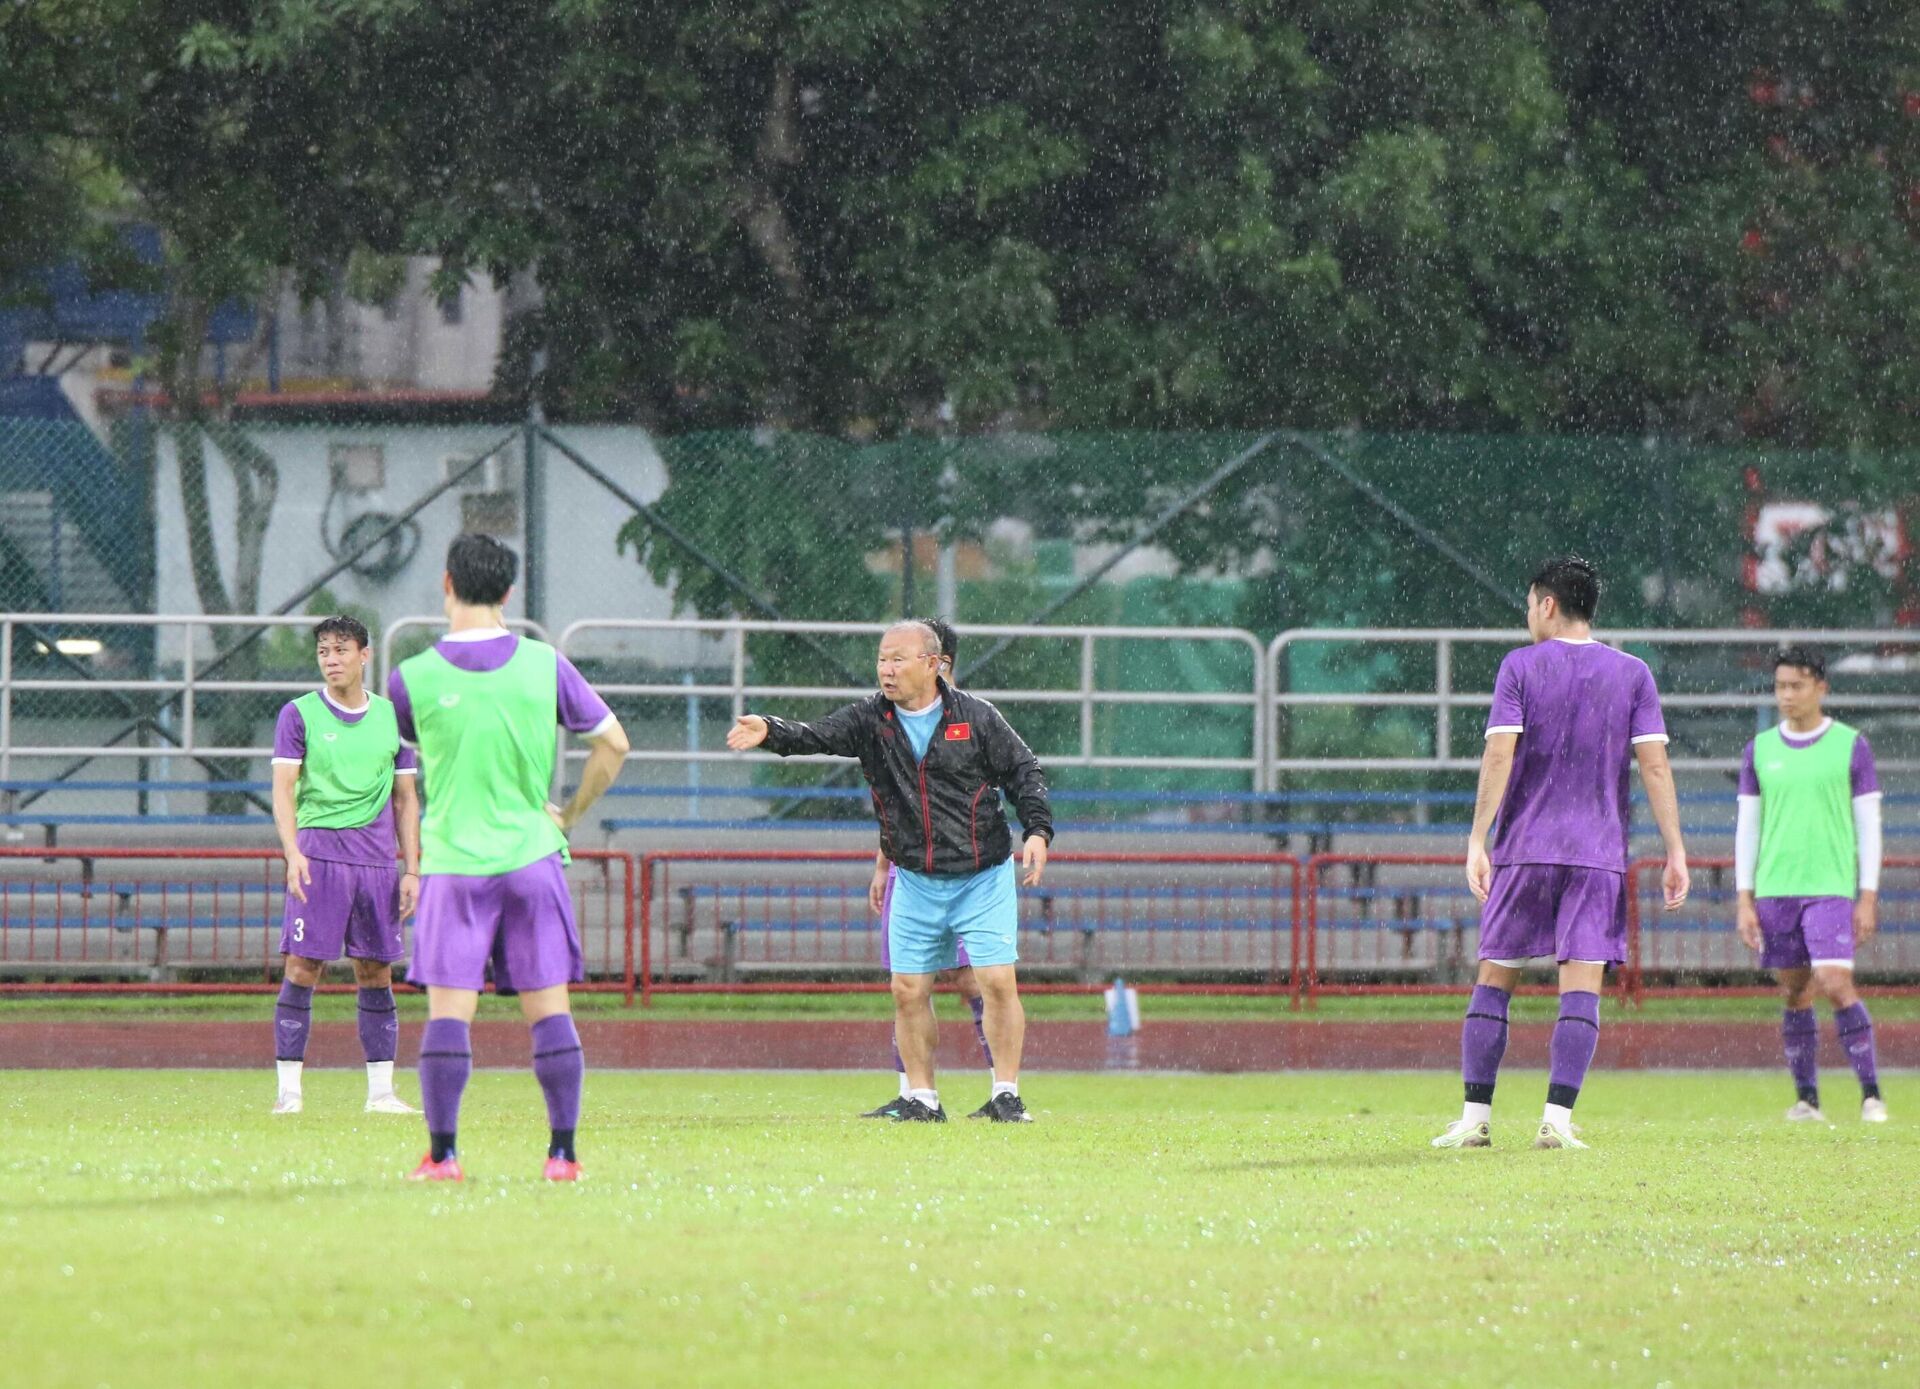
x: 482, y: 705
x: 343, y: 792
x: 1807, y: 866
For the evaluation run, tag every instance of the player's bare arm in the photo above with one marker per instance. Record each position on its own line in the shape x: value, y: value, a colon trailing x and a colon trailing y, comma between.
x: 1656, y: 774
x: 1866, y: 915
x: 406, y: 822
x: 286, y: 777
x: 1496, y: 766
x: 609, y: 754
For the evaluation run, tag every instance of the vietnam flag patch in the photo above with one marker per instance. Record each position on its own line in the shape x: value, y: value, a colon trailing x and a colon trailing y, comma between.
x: 959, y: 732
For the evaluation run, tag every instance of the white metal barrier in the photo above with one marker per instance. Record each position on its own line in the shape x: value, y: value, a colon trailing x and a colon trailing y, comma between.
x: 1444, y: 699
x: 73, y: 636
x: 1087, y: 695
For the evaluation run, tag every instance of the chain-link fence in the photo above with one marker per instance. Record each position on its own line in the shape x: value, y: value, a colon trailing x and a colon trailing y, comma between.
x: 1218, y: 530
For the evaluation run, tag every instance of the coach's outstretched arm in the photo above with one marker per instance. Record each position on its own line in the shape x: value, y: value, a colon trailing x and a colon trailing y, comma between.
x: 1018, y: 772
x: 843, y: 733
x: 1496, y: 767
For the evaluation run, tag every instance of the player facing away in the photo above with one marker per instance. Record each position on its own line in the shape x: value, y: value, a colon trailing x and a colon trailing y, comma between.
x: 343, y: 790
x: 930, y: 754
x: 1570, y: 717
x: 1806, y: 862
x: 880, y: 899
x: 482, y: 705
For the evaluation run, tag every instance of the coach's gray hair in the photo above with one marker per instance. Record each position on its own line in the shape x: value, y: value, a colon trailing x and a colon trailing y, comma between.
x: 930, y: 639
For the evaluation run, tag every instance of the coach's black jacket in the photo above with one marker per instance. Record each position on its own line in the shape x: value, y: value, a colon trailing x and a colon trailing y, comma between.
x: 936, y: 815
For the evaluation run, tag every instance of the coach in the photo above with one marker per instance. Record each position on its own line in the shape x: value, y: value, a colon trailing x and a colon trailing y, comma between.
x: 931, y: 754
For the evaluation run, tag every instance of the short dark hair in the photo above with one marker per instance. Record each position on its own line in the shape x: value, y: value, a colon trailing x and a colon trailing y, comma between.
x: 340, y: 625
x: 1805, y: 657
x: 1571, y: 582
x: 482, y: 569
x: 949, y: 641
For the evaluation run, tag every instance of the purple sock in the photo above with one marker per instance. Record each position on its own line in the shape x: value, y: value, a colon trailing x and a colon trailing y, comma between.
x: 1483, y: 1041
x: 1575, y: 1036
x: 292, y: 1018
x: 561, y: 1068
x: 979, y: 1006
x: 379, y: 1025
x: 446, y: 1060
x: 1800, y: 1034
x: 1856, y: 1035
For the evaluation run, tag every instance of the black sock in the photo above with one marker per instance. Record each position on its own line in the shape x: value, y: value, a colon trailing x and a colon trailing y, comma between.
x: 1563, y: 1095
x: 1479, y: 1094
x: 442, y: 1146
x: 1810, y: 1093
x: 562, y: 1145
x: 1869, y: 1091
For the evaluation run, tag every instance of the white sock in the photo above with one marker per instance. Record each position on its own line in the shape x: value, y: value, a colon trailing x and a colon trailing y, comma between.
x: 929, y: 1098
x: 1558, y: 1115
x: 906, y: 1090
x: 289, y: 1076
x: 1005, y: 1087
x: 379, y: 1079
x: 1471, y: 1113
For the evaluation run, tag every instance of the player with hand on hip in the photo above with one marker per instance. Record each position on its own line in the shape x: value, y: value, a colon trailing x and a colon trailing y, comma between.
x: 482, y: 704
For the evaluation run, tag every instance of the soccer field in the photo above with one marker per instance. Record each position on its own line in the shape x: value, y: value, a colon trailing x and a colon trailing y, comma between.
x: 162, y: 1228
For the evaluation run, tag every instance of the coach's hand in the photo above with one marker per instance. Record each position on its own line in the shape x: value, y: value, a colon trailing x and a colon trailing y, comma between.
x: 748, y: 731
x: 1746, y: 920
x: 299, y: 876
x: 877, y: 890
x: 1866, y: 916
x: 1479, y: 870
x: 1033, y: 860
x: 1676, y: 880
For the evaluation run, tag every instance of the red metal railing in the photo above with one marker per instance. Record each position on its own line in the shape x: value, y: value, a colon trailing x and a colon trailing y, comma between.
x: 709, y: 921
x: 149, y: 912
x: 1698, y: 939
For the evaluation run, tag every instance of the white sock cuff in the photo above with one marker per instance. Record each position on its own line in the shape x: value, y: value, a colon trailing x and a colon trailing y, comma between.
x: 1005, y: 1087
x: 1471, y: 1113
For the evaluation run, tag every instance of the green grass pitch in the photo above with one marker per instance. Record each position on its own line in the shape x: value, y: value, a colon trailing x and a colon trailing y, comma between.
x: 160, y: 1228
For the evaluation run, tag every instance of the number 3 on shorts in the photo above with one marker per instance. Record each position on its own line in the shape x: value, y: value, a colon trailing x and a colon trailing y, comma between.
x: 299, y: 928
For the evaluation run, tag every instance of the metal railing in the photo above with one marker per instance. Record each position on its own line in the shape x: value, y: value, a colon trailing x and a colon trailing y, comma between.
x: 184, y: 690
x: 1087, y: 695
x: 1445, y: 699
x: 164, y: 709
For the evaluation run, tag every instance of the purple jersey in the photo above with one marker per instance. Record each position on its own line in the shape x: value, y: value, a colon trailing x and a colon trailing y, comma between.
x: 372, y: 843
x: 1579, y: 707
x: 581, y: 710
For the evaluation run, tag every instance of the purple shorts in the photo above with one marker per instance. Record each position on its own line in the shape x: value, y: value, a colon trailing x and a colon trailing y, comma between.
x: 1541, y: 909
x: 351, y: 909
x: 1796, y: 931
x: 520, y: 922
x: 886, y: 933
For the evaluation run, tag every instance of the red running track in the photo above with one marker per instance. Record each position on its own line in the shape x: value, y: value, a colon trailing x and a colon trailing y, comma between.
x: 1060, y: 1046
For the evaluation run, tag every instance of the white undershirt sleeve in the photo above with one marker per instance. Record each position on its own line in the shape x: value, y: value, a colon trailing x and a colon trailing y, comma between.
x: 1746, y: 843
x: 1866, y: 832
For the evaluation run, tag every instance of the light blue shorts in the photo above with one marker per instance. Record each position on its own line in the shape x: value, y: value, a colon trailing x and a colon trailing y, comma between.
x: 929, y: 917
